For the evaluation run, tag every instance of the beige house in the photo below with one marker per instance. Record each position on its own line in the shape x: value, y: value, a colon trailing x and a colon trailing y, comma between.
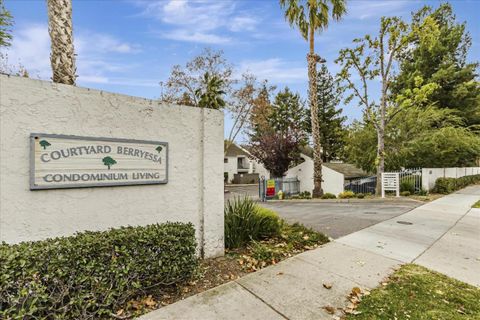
x: 241, y: 167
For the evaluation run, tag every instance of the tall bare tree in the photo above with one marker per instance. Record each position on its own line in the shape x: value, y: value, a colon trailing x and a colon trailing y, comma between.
x: 311, y: 16
x: 62, y: 57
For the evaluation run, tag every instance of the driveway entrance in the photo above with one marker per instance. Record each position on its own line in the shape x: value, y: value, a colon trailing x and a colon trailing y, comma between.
x: 337, y: 219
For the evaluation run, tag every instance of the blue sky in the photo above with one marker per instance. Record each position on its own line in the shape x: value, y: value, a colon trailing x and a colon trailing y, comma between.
x: 130, y: 46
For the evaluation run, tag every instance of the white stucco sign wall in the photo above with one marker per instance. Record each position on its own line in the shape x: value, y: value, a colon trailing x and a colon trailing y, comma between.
x: 192, y: 191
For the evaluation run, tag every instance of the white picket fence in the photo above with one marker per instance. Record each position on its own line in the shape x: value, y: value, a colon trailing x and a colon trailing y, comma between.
x: 430, y: 175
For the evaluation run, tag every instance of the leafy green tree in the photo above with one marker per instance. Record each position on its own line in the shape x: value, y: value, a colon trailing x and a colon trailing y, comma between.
x: 311, y: 16
x: 44, y: 144
x: 276, y: 139
x: 372, y: 58
x: 287, y: 112
x: 212, y: 96
x: 6, y: 21
x: 109, y: 161
x: 438, y: 55
x: 330, y: 119
x: 421, y: 137
x: 159, y: 149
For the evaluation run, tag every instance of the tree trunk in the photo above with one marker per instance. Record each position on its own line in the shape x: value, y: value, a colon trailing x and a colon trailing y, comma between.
x: 62, y: 57
x: 381, y: 139
x: 312, y: 60
x: 380, y: 158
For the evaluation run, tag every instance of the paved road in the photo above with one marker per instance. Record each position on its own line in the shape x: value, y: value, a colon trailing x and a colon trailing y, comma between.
x: 337, y: 219
x: 241, y: 191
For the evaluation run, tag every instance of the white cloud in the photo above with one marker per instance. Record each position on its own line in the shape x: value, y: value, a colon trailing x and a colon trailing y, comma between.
x: 275, y: 70
x: 31, y: 48
x: 244, y: 23
x: 195, y: 36
x: 95, y: 53
x: 102, y: 43
x: 370, y: 9
x: 203, y: 21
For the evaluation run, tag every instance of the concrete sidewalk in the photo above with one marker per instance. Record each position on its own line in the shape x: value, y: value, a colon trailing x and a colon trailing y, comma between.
x: 442, y: 235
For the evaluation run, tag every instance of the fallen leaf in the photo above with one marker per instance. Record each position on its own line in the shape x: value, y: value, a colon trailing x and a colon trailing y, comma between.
x: 327, y: 285
x: 150, y: 302
x: 119, y: 312
x: 356, y: 291
x: 329, y: 309
x: 280, y: 273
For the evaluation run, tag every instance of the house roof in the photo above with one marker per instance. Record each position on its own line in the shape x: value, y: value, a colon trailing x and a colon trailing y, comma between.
x: 234, y: 151
x: 348, y: 170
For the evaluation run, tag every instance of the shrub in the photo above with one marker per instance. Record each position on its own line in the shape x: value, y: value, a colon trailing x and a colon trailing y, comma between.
x: 422, y: 192
x: 407, y: 185
x: 346, y: 194
x: 271, y: 224
x: 449, y: 185
x: 92, y: 274
x: 405, y: 193
x: 329, y: 196
x: 360, y: 195
x: 305, y: 195
x: 245, y: 221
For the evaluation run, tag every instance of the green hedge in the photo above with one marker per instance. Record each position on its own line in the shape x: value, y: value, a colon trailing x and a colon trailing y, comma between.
x: 449, y: 185
x: 93, y: 274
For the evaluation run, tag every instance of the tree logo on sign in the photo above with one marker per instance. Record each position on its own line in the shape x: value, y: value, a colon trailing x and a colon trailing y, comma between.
x: 109, y: 161
x: 44, y: 144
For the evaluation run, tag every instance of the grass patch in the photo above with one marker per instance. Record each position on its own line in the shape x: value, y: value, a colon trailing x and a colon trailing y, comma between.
x: 476, y: 204
x: 414, y: 292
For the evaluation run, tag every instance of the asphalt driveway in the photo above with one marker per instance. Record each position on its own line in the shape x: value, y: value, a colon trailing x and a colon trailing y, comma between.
x: 337, y: 219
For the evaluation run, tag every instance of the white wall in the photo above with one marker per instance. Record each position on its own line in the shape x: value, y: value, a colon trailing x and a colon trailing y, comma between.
x: 333, y: 181
x: 260, y: 169
x: 194, y: 192
x: 430, y: 175
x: 230, y: 167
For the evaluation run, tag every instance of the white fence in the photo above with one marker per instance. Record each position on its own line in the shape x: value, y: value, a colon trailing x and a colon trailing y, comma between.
x: 430, y: 175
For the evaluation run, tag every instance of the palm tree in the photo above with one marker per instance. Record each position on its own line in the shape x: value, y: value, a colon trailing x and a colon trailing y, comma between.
x: 310, y: 16
x: 62, y: 57
x: 211, y: 95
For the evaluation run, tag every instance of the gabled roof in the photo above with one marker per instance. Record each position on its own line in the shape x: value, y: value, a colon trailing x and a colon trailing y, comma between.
x: 235, y: 151
x: 348, y: 170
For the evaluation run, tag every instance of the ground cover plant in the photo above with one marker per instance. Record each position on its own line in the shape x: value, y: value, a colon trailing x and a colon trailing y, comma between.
x: 414, y: 292
x: 94, y: 275
x: 476, y: 204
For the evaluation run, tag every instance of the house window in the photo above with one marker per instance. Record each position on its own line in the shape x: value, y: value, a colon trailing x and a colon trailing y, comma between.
x: 225, y: 160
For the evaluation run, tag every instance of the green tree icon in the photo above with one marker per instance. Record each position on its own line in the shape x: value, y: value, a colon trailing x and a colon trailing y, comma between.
x: 159, y: 149
x: 44, y: 144
x: 108, y: 161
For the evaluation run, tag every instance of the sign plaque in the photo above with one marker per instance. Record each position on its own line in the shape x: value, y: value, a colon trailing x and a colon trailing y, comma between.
x: 61, y: 161
x: 390, y: 182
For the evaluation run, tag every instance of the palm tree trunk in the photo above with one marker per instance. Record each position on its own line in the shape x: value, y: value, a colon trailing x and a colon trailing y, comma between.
x: 62, y: 57
x: 312, y: 60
